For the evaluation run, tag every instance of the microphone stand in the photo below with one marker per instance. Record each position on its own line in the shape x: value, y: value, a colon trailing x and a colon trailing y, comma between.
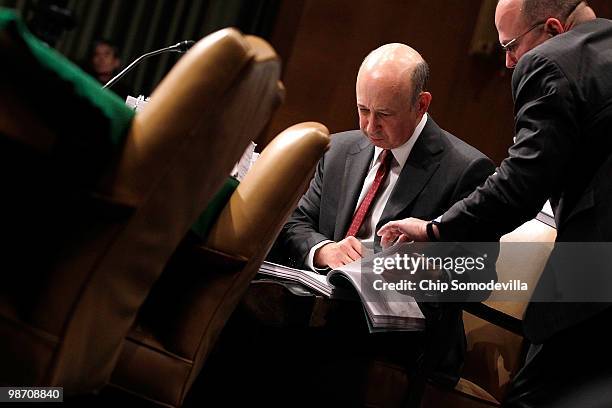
x: 181, y: 48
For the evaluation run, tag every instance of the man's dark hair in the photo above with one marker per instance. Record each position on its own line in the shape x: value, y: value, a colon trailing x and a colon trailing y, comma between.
x: 420, y: 76
x: 538, y: 10
x: 107, y: 42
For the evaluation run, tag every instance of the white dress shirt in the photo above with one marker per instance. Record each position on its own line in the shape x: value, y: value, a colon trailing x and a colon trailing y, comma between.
x: 368, y: 228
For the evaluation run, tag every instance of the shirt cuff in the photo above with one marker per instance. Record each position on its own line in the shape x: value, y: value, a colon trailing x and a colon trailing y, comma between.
x: 311, y: 254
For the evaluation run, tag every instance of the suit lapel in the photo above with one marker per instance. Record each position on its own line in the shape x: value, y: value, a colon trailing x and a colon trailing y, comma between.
x: 423, y: 161
x: 355, y: 170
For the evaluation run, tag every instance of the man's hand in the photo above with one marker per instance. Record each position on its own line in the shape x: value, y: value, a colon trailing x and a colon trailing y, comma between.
x: 408, y: 229
x: 336, y: 254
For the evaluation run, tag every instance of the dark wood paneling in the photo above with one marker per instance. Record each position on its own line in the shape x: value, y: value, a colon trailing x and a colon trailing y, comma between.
x: 471, y: 95
x: 471, y: 98
x: 603, y: 8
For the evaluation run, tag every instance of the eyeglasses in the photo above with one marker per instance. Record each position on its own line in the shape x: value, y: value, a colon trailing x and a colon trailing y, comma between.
x: 512, y: 45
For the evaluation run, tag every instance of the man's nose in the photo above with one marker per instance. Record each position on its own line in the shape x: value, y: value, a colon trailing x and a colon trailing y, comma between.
x: 510, y: 60
x: 372, y: 123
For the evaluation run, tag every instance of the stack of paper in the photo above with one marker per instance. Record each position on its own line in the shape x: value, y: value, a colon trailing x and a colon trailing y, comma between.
x: 246, y: 161
x: 309, y: 279
x: 387, y: 311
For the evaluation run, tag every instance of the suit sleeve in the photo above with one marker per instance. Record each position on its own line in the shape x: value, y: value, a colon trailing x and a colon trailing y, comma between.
x: 300, y: 233
x: 472, y: 177
x: 538, y: 162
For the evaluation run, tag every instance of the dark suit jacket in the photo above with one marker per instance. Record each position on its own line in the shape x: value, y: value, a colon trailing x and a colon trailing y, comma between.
x: 562, y: 91
x: 440, y: 170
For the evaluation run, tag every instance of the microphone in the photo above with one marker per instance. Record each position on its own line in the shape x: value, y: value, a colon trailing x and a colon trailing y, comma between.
x: 183, y: 46
x: 180, y: 47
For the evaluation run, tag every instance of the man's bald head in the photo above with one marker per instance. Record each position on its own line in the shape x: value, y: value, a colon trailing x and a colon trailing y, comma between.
x: 537, y: 10
x: 390, y: 98
x: 398, y: 62
x: 524, y: 24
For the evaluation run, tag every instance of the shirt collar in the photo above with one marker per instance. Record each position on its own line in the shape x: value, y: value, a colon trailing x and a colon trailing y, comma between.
x: 402, y: 152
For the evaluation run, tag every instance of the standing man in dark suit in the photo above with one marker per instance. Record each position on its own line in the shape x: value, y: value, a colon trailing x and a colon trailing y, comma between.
x: 562, y: 88
x: 428, y: 169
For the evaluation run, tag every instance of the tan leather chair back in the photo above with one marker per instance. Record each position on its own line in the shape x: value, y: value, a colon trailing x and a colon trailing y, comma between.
x: 196, y: 99
x: 494, y: 354
x: 252, y: 213
x: 166, y: 350
x: 180, y: 148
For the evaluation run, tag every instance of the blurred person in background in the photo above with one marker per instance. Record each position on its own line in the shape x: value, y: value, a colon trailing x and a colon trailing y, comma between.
x: 104, y: 63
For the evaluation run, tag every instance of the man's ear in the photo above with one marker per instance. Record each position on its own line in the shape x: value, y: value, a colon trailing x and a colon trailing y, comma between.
x: 553, y: 27
x: 423, y: 102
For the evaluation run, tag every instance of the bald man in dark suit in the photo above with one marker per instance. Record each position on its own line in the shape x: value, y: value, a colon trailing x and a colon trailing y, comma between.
x: 562, y: 88
x: 428, y: 170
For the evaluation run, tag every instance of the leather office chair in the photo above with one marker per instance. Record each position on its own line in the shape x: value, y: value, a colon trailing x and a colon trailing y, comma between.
x: 63, y: 322
x: 189, y: 305
x: 494, y: 353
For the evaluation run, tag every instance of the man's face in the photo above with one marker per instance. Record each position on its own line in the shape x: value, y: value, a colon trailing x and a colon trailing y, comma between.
x: 104, y: 60
x: 510, y: 25
x: 386, y: 115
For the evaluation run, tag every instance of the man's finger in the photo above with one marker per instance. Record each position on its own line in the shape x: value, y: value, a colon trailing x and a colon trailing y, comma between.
x: 335, y: 264
x: 347, y: 252
x: 346, y: 259
x: 390, y: 235
x: 386, y: 239
x: 403, y: 238
x: 388, y: 227
x: 354, y: 255
x: 355, y: 245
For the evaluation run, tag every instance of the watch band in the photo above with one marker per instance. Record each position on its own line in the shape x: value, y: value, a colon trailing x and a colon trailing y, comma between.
x: 430, y: 232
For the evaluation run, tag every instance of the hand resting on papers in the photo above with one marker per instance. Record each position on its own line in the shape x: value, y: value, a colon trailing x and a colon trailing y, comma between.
x: 336, y: 254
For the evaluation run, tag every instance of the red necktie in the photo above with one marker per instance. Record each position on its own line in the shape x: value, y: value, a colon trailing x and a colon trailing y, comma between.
x: 364, y: 207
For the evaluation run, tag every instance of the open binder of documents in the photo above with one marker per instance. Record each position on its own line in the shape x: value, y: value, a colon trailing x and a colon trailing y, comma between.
x: 387, y: 312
